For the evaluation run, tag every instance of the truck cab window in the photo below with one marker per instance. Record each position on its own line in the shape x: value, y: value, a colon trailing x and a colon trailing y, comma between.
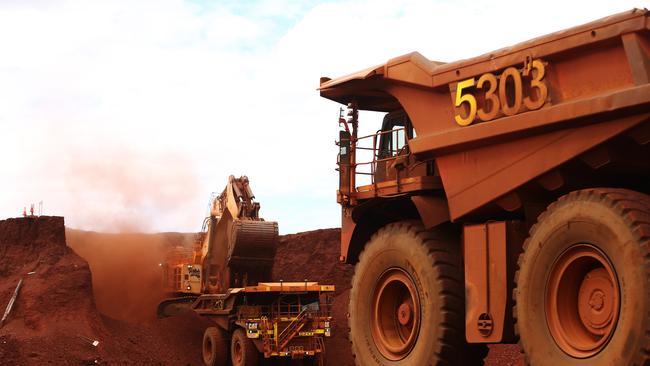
x: 397, y: 130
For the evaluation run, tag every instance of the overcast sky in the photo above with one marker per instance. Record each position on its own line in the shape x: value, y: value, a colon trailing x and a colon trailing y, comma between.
x: 126, y: 115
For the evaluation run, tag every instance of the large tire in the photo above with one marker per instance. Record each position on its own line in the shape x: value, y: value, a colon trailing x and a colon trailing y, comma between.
x: 242, y: 350
x: 215, y: 347
x: 406, y: 302
x: 583, y: 289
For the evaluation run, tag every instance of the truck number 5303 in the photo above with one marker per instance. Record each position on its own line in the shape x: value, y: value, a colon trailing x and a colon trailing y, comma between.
x: 503, y: 95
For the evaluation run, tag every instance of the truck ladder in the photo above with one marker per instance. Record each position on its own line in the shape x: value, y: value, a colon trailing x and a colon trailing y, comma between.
x: 291, y: 330
x: 266, y: 339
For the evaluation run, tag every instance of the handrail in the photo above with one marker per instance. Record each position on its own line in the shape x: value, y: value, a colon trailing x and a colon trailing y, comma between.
x: 381, y: 133
x: 293, y: 322
x: 287, y: 333
x: 276, y: 310
x: 392, y: 154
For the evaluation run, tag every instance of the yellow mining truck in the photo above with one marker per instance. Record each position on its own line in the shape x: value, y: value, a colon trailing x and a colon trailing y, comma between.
x: 269, y: 320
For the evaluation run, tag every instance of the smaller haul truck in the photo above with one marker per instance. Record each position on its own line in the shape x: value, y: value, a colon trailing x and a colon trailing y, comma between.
x: 270, y: 320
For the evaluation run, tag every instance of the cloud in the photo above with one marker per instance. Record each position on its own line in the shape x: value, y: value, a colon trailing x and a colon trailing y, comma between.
x: 167, y: 98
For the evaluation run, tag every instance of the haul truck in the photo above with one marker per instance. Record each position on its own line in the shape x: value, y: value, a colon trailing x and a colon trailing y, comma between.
x: 225, y: 280
x: 506, y: 199
x: 271, y: 320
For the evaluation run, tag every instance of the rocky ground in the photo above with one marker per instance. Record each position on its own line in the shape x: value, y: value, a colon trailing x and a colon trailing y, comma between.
x: 92, y: 286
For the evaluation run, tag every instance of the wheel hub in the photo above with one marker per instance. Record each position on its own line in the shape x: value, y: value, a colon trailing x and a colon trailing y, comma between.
x: 582, y: 301
x: 596, y: 301
x: 395, y: 315
x: 404, y: 313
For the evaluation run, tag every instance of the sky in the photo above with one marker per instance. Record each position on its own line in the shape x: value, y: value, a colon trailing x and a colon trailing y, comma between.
x: 125, y: 115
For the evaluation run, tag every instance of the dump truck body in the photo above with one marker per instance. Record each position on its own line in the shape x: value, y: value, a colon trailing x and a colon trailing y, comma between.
x: 480, y: 149
x: 596, y: 86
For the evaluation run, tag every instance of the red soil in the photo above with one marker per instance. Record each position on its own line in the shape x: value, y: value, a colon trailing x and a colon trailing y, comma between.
x: 60, y: 303
x: 56, y: 308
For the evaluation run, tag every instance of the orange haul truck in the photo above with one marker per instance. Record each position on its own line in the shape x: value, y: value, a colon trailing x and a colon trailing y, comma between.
x: 507, y: 200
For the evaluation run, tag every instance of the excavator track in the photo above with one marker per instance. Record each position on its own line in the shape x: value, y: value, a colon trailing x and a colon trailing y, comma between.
x: 175, y: 306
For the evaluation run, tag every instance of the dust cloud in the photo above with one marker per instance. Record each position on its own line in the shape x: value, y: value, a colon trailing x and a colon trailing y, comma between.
x: 126, y: 189
x: 125, y: 272
x: 121, y: 193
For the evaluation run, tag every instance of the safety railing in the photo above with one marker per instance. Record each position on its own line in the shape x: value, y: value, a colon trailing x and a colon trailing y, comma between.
x: 368, y: 154
x: 291, y: 330
x: 280, y: 310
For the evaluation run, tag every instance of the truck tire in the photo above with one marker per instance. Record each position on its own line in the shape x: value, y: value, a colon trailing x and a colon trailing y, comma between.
x: 215, y: 347
x: 582, y: 291
x: 406, y: 302
x: 242, y: 350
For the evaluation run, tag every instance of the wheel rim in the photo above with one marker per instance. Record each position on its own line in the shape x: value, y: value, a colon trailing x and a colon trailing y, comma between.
x: 207, y: 348
x: 238, y: 353
x: 582, y: 301
x: 395, y: 315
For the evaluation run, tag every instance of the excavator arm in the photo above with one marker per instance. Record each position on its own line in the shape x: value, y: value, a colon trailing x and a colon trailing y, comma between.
x: 239, y: 247
x: 235, y: 248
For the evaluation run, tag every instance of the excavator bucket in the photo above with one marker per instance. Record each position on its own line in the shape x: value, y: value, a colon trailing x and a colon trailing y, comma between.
x: 252, y: 251
x: 235, y: 248
x: 254, y: 243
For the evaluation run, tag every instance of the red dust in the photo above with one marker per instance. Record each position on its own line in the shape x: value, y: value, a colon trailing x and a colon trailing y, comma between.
x: 126, y: 273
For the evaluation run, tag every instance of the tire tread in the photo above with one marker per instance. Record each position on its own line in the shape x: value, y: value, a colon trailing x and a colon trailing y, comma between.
x: 634, y: 208
x: 445, y: 258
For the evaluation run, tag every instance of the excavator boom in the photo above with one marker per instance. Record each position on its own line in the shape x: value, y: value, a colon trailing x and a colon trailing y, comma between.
x: 235, y: 247
x: 239, y: 247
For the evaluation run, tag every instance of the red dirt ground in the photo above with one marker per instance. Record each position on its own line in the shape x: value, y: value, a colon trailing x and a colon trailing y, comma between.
x: 60, y: 303
x: 56, y: 308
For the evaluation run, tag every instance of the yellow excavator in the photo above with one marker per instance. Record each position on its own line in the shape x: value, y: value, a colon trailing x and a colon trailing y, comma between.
x: 234, y: 248
x: 226, y: 279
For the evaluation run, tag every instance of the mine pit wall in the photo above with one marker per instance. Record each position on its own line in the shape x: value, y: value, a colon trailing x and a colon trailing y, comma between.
x: 28, y: 235
x: 55, y: 304
x: 60, y: 285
